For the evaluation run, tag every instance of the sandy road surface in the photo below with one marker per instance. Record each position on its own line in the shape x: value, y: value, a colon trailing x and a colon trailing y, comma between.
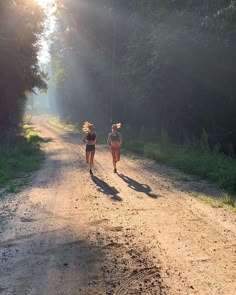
x: 138, y: 232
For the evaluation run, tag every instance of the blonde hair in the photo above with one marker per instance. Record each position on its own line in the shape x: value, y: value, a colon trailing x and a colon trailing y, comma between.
x: 116, y: 126
x: 86, y: 126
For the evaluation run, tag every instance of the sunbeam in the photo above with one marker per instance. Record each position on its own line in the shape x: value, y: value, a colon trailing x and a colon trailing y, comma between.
x: 45, y: 3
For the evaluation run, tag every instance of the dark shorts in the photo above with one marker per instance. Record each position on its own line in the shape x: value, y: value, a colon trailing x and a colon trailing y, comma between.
x: 90, y: 148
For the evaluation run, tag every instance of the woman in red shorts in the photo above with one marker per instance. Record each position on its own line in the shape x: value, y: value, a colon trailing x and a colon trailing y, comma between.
x: 90, y: 138
x: 115, y: 139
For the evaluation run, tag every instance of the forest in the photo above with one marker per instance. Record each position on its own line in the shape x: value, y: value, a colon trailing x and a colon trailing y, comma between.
x: 153, y: 65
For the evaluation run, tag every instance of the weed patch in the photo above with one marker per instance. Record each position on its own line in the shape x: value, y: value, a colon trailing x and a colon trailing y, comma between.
x: 66, y: 126
x: 216, y: 167
x: 225, y: 200
x: 228, y: 200
x: 18, y: 161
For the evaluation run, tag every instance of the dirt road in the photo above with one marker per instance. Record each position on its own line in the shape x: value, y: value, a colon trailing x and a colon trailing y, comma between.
x: 136, y: 232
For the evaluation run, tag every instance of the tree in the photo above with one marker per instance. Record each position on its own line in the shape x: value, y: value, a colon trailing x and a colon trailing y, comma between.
x: 21, y: 22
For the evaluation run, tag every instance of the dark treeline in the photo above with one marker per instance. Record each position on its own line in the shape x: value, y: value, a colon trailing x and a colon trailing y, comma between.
x: 20, y: 26
x: 151, y: 64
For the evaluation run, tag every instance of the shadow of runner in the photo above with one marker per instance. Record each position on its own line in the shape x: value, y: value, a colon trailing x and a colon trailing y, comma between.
x: 139, y: 187
x: 106, y: 189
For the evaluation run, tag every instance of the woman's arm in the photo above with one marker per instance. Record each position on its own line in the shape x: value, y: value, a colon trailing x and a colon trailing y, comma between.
x: 121, y: 138
x: 85, y: 138
x: 109, y: 139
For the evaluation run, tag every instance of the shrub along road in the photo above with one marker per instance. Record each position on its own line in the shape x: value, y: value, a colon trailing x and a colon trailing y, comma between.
x: 140, y: 231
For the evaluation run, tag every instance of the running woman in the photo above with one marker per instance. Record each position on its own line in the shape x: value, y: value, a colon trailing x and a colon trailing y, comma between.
x: 90, y: 138
x: 114, y: 140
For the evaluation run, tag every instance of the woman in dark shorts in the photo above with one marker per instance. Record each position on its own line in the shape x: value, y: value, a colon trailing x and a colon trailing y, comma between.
x: 90, y: 138
x: 115, y: 139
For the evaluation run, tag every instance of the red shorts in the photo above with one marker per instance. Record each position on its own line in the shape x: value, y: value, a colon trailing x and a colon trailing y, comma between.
x: 115, y: 148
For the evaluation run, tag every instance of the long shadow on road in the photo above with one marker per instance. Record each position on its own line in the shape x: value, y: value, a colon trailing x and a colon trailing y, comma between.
x: 106, y: 189
x: 139, y: 187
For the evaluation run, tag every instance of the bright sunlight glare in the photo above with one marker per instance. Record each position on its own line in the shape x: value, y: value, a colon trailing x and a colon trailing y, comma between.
x: 45, y: 3
x: 49, y: 7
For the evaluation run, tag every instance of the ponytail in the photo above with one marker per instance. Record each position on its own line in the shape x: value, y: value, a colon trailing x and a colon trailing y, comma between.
x: 86, y: 126
x: 117, y: 126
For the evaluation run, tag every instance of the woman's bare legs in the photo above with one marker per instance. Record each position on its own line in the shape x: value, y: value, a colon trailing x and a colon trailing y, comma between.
x: 114, y: 159
x: 91, y: 160
x: 87, y: 157
x: 117, y: 156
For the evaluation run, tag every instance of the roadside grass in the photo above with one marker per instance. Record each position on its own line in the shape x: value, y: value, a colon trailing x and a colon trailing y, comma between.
x: 228, y: 200
x: 102, y: 138
x: 216, y: 167
x: 225, y: 200
x: 68, y: 127
x: 213, y: 202
x: 18, y: 161
x: 196, y: 160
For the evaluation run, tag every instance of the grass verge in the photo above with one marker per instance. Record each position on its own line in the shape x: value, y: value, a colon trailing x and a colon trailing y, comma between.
x: 55, y: 121
x: 16, y: 162
x: 225, y: 200
x: 214, y: 166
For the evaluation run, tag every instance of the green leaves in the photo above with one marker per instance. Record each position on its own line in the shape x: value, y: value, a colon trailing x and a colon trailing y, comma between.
x: 21, y: 22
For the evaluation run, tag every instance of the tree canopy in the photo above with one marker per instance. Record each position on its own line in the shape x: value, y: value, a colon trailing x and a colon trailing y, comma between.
x: 21, y: 22
x: 152, y: 64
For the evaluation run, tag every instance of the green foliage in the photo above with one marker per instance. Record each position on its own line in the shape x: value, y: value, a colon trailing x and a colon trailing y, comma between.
x: 68, y: 127
x: 165, y: 139
x: 58, y: 72
x: 204, y: 144
x: 214, y: 202
x: 16, y: 162
x: 225, y: 199
x: 21, y: 22
x: 214, y: 166
x: 135, y: 146
x: 228, y: 200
